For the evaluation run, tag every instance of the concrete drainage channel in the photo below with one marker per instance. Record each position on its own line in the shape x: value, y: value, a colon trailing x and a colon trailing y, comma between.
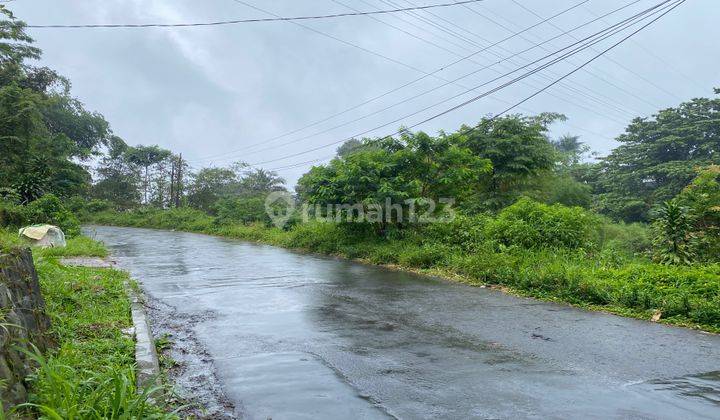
x: 146, y: 358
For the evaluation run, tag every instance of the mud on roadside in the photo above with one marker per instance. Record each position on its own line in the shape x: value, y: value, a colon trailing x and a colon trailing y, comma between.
x: 189, y: 370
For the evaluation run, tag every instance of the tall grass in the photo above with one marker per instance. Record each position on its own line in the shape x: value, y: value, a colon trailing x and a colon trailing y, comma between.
x: 69, y: 393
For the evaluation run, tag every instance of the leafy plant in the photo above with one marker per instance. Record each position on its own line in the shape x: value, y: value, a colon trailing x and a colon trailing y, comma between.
x: 674, y: 240
x: 529, y: 224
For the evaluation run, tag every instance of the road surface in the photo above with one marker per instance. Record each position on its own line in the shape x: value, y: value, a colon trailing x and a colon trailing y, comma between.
x: 295, y: 336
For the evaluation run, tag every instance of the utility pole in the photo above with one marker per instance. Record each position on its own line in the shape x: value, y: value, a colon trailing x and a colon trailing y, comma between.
x: 172, y: 183
x: 178, y: 184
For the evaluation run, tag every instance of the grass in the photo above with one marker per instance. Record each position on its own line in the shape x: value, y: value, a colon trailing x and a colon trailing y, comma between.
x: 91, y: 372
x: 79, y: 246
x: 608, y: 277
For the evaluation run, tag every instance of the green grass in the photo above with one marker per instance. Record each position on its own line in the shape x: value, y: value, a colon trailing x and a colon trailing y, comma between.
x: 91, y: 372
x: 608, y: 277
x: 79, y: 246
x: 9, y: 238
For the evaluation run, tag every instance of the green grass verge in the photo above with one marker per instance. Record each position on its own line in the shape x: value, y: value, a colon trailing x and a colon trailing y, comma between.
x: 91, y: 372
x: 607, y: 279
x: 78, y: 246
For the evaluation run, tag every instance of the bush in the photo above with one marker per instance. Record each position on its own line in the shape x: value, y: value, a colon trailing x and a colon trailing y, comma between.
x: 633, y: 237
x: 11, y: 214
x: 464, y: 232
x: 424, y: 256
x: 322, y: 237
x: 529, y: 224
x: 241, y: 210
x: 97, y: 205
x: 49, y: 209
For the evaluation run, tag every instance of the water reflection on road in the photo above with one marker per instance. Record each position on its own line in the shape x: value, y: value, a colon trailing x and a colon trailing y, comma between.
x: 304, y: 336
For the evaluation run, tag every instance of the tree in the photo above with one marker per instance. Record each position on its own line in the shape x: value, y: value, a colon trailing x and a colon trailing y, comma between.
x: 570, y: 148
x: 259, y: 181
x: 42, y: 128
x: 146, y: 157
x: 702, y: 198
x: 409, y: 169
x: 352, y: 146
x: 674, y: 242
x: 658, y: 158
x: 119, y: 180
x: 519, y: 151
x: 208, y: 185
x: 15, y: 45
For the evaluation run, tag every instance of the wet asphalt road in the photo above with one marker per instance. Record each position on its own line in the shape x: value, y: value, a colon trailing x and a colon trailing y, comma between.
x: 302, y: 336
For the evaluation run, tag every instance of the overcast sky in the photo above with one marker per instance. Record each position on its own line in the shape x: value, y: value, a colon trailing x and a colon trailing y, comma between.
x: 222, y: 94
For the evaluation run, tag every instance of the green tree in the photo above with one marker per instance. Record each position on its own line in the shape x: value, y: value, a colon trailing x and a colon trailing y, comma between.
x: 260, y: 181
x: 208, y: 185
x: 119, y: 180
x: 571, y: 148
x: 146, y: 157
x: 519, y: 151
x: 658, y: 158
x: 415, y: 166
x: 674, y: 241
x: 41, y: 127
x: 702, y: 198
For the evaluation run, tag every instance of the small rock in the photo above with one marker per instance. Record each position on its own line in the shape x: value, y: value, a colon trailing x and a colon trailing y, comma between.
x: 128, y: 332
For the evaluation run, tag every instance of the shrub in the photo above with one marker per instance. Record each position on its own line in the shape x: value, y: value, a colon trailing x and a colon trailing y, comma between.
x: 241, y: 210
x: 49, y: 209
x: 529, y: 224
x: 632, y: 237
x: 323, y: 237
x: 11, y: 214
x: 674, y: 241
x: 465, y: 232
x: 385, y: 253
x: 424, y: 256
x: 97, y: 205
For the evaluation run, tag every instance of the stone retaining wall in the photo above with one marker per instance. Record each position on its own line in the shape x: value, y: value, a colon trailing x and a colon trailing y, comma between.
x: 22, y: 321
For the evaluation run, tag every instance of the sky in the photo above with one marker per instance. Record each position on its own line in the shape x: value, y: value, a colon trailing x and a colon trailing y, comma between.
x: 264, y: 93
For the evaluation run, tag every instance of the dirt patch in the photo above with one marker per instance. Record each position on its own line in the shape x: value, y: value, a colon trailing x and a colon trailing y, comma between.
x: 189, y: 366
x: 92, y: 262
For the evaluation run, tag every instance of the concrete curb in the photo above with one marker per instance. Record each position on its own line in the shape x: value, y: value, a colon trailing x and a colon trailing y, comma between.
x: 148, y: 365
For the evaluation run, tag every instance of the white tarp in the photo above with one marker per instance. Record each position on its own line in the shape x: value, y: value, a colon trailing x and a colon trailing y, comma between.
x: 46, y: 236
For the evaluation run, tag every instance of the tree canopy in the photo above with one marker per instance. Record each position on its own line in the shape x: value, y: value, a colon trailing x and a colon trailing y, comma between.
x: 657, y: 158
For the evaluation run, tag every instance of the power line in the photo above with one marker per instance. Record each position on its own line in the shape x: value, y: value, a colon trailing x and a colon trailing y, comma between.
x: 256, y: 20
x: 391, y: 91
x: 513, y: 81
x: 657, y: 57
x: 424, y: 92
x: 534, y: 94
x: 619, y: 64
x: 591, y: 93
x: 573, y: 91
x: 626, y: 91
